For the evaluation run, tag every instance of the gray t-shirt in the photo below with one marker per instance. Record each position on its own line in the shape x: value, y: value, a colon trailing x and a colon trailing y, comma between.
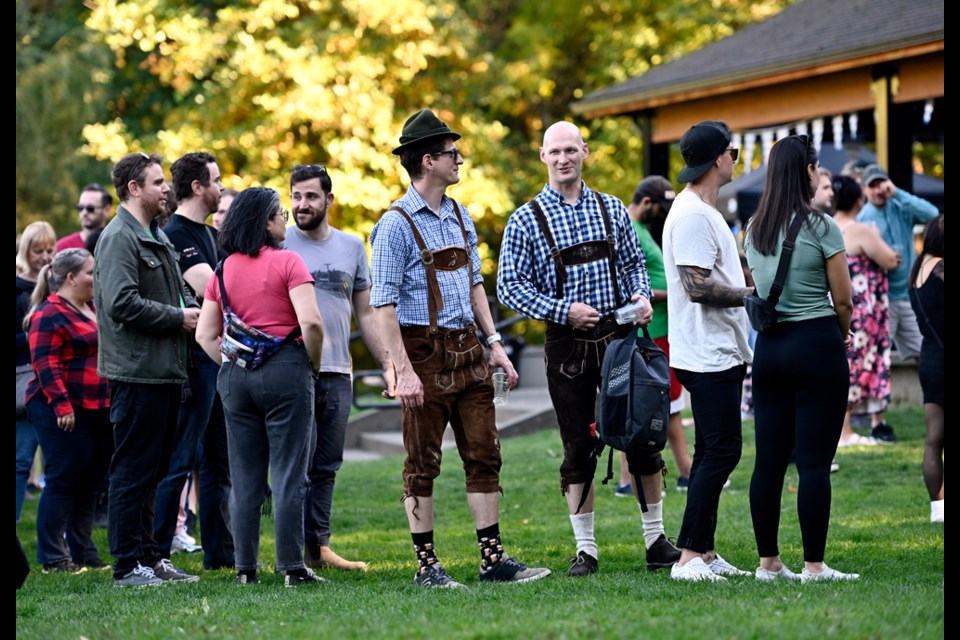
x: 805, y: 289
x: 339, y: 267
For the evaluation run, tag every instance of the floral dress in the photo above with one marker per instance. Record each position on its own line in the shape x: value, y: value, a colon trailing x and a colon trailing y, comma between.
x: 869, y: 356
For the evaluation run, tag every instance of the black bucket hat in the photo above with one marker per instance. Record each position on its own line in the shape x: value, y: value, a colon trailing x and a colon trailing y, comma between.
x: 423, y: 125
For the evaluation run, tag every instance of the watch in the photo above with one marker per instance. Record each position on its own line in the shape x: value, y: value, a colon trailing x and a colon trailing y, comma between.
x: 494, y: 337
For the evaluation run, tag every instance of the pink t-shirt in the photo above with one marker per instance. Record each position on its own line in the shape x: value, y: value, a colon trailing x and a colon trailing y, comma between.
x: 258, y: 288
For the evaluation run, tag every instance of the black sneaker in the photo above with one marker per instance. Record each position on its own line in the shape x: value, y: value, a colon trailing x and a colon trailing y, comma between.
x: 662, y: 554
x: 64, y: 566
x: 883, y: 432
x: 433, y: 576
x: 166, y: 571
x: 509, y: 570
x: 293, y: 580
x: 244, y: 579
x: 583, y: 565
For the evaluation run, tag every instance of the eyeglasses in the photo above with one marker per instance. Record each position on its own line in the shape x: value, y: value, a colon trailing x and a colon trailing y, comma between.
x: 89, y: 208
x: 734, y: 153
x: 131, y: 175
x: 283, y: 213
x: 312, y: 168
x: 453, y: 153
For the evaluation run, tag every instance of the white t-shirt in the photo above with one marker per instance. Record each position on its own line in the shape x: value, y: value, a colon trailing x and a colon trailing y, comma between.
x: 339, y: 267
x: 703, y: 338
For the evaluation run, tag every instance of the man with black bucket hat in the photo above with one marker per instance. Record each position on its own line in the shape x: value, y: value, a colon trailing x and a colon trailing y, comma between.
x: 708, y: 333
x: 429, y: 299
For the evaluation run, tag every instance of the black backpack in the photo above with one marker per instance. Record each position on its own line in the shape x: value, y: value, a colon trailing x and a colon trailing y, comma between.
x: 634, y: 398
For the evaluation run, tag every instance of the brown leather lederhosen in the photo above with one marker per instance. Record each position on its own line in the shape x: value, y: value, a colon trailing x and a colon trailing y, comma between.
x: 452, y: 366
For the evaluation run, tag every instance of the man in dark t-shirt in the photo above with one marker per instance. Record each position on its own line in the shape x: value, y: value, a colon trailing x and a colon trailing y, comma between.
x: 196, y: 182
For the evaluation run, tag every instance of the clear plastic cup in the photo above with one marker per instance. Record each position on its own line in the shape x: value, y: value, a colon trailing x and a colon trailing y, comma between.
x: 629, y: 313
x: 501, y: 387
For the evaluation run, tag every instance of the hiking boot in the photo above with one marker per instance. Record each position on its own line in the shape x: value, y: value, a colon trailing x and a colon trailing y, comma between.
x: 141, y: 576
x: 64, y: 566
x: 293, y: 580
x: 166, y: 571
x: 696, y: 570
x: 433, y: 576
x: 583, y: 565
x: 246, y: 579
x: 826, y: 574
x: 723, y: 568
x: 662, y: 554
x: 883, y: 433
x: 623, y: 491
x: 509, y: 570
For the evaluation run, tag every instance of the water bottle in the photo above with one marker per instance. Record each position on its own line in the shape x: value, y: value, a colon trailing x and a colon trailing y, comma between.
x: 630, y: 312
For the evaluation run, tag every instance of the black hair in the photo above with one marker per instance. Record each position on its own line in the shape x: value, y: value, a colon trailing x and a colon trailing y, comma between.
x: 187, y: 168
x: 106, y: 199
x: 787, y: 191
x: 847, y: 191
x: 132, y: 166
x: 303, y: 172
x: 411, y: 158
x: 244, y: 230
x: 932, y: 246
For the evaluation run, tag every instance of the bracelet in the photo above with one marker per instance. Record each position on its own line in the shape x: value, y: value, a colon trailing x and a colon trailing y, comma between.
x: 494, y: 337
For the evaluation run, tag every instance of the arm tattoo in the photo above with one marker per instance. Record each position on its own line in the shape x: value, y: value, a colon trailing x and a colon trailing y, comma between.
x: 703, y: 289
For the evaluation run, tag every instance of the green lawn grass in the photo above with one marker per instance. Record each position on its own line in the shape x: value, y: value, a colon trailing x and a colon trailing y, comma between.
x: 879, y: 527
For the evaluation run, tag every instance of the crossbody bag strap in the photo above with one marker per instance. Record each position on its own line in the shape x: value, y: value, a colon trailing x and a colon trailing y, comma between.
x: 788, y: 244
x: 612, y: 249
x: 926, y: 319
x: 293, y: 335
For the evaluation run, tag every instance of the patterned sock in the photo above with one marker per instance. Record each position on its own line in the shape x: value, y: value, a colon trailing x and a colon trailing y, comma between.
x: 491, y: 551
x: 583, y: 533
x: 423, y: 545
x: 652, y: 522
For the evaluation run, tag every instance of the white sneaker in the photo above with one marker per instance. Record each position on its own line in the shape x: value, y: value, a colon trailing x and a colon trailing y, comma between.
x: 181, y: 542
x: 723, y: 568
x: 827, y: 574
x: 765, y: 575
x: 857, y: 440
x: 696, y: 570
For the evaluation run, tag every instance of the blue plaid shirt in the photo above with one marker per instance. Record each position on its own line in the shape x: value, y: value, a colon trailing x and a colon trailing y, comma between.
x: 527, y: 281
x: 399, y: 277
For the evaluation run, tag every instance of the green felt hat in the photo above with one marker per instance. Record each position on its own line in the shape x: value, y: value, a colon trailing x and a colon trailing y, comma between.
x: 422, y: 125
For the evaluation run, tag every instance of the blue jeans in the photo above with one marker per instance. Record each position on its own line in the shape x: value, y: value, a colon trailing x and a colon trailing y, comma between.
x: 718, y: 443
x: 191, y: 424
x: 144, y: 418
x: 334, y: 394
x: 214, y: 492
x: 74, y: 463
x: 269, y: 414
x: 26, y: 450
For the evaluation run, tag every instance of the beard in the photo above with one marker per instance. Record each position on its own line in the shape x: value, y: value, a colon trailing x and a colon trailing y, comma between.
x: 313, y: 222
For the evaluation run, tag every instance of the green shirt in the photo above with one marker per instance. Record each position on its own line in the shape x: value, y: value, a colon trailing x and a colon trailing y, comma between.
x: 658, y: 278
x: 805, y: 288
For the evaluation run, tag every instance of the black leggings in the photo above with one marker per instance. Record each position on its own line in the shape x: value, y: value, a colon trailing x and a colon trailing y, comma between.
x: 800, y: 381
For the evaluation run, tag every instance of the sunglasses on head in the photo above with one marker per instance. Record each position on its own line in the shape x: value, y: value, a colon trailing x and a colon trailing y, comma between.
x: 132, y: 174
x: 315, y: 169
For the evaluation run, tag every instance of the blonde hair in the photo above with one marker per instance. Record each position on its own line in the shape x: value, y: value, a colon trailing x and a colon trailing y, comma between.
x: 39, y: 232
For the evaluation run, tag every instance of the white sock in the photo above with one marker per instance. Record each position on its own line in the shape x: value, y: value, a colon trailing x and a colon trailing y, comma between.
x: 583, y: 532
x: 652, y: 522
x: 936, y: 511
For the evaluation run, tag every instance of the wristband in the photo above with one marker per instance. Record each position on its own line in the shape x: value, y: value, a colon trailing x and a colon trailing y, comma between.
x: 494, y: 337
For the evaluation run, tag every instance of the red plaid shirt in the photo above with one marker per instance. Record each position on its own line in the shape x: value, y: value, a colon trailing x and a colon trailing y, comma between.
x: 63, y: 350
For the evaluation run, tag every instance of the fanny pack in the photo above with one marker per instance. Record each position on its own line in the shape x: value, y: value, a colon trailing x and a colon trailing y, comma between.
x: 243, y: 344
